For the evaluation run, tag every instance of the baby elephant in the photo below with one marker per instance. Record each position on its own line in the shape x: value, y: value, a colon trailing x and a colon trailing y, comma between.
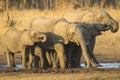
x: 16, y: 41
x: 35, y: 56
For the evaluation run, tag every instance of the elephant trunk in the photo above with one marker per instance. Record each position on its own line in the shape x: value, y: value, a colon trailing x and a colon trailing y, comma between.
x: 114, y: 27
x: 43, y: 38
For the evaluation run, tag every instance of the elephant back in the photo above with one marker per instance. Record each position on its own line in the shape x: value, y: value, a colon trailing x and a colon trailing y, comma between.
x: 3, y: 30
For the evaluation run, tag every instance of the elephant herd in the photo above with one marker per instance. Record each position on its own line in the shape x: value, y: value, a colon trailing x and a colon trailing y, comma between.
x: 57, y: 42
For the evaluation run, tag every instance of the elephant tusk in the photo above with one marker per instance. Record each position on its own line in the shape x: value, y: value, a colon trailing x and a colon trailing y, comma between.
x: 77, y: 42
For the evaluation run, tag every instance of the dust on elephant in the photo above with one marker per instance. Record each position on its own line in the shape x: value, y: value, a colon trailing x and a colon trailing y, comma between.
x: 94, y: 17
x: 61, y: 32
x: 16, y: 41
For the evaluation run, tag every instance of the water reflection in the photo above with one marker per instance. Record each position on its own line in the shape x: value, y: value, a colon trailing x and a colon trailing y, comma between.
x: 104, y: 65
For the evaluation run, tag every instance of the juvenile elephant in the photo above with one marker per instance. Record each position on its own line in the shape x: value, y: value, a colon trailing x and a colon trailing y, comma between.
x: 94, y: 17
x: 61, y: 32
x: 35, y: 57
x: 16, y: 41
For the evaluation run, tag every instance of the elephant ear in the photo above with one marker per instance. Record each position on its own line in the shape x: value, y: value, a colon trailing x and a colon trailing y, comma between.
x: 89, y: 17
x: 99, y: 17
x: 10, y: 20
x: 25, y: 39
x: 61, y: 31
x: 102, y: 16
x: 73, y: 33
x: 37, y: 36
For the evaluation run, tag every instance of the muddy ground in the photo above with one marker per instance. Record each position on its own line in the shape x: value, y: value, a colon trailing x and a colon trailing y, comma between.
x: 68, y: 74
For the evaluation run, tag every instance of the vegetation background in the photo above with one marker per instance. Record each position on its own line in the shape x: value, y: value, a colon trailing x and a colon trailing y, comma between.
x: 54, y: 4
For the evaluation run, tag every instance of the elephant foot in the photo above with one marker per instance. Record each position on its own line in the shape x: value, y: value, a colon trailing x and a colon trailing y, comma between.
x: 9, y: 66
x: 54, y: 67
x: 62, y: 68
x: 99, y: 65
x: 95, y: 64
x: 13, y: 65
x: 24, y: 67
x: 29, y: 67
x: 80, y: 67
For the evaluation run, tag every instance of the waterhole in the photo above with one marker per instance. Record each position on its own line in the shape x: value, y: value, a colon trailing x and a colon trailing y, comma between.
x: 104, y: 65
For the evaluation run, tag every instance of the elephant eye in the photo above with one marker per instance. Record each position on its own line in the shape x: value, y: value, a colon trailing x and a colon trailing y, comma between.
x: 73, y: 33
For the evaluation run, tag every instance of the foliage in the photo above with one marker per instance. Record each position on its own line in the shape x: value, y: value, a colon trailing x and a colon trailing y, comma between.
x: 53, y: 4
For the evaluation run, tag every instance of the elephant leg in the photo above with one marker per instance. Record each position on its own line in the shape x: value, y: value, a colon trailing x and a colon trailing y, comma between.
x: 30, y: 61
x: 8, y: 59
x: 41, y: 62
x: 23, y: 58
x: 45, y: 58
x: 39, y: 52
x: 59, y: 48
x: 36, y: 62
x: 49, y: 58
x: 77, y: 54
x: 12, y: 59
x: 91, y: 48
x: 68, y: 57
x: 69, y: 51
x: 55, y: 60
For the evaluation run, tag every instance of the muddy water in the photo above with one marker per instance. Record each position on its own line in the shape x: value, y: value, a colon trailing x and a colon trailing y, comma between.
x: 104, y: 65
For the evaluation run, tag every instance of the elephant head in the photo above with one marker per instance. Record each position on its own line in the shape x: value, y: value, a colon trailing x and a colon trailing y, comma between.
x: 101, y: 17
x: 74, y: 34
x: 31, y: 37
x: 94, y: 29
x: 68, y: 31
x: 37, y: 36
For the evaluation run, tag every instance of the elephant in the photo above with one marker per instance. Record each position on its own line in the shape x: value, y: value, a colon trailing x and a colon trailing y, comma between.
x: 73, y: 51
x: 16, y: 41
x: 60, y: 32
x: 94, y: 17
x: 35, y: 56
x: 43, y: 58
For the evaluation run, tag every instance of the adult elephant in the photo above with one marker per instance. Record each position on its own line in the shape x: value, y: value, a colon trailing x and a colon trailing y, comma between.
x: 94, y: 17
x: 73, y: 51
x: 16, y: 41
x: 60, y: 32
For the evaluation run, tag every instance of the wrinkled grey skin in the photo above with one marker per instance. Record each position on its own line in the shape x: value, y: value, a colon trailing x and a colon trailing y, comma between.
x: 94, y: 17
x: 16, y: 41
x: 61, y: 32
x: 73, y: 52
